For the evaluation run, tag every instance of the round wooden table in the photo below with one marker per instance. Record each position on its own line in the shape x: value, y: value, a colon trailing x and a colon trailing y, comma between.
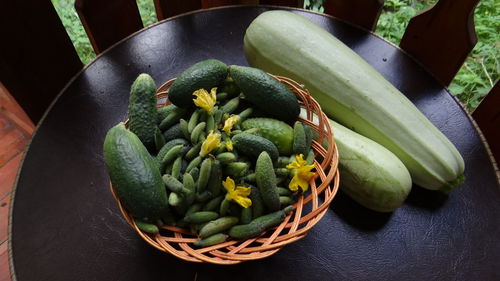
x: 66, y: 225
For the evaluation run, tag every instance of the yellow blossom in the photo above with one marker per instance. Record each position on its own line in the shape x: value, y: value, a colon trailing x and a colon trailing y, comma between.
x: 301, y: 173
x: 230, y: 122
x: 211, y: 142
x: 205, y: 100
x: 239, y: 194
x: 229, y: 145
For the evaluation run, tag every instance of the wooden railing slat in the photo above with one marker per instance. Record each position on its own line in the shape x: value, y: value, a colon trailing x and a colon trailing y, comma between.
x: 107, y: 22
x: 37, y: 57
x: 441, y: 37
x: 363, y: 13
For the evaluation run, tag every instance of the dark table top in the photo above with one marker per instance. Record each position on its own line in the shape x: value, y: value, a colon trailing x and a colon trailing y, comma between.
x: 66, y: 225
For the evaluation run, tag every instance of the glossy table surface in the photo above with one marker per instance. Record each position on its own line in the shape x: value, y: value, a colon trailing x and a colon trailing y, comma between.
x: 66, y: 225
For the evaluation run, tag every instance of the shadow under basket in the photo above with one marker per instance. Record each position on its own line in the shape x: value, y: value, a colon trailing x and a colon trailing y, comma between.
x: 310, y: 207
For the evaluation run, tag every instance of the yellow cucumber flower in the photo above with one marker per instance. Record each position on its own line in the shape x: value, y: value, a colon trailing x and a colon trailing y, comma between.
x: 301, y: 173
x: 229, y: 145
x: 205, y: 100
x: 210, y: 143
x: 239, y: 194
x: 230, y: 122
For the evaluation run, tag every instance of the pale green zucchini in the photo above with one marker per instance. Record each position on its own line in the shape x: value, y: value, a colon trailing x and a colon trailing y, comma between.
x: 370, y: 174
x: 354, y: 93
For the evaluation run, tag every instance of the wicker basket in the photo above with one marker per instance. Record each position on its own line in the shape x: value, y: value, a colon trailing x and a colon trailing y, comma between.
x: 309, y: 209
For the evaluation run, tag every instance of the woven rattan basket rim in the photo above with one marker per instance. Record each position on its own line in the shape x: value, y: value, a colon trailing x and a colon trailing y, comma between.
x: 293, y: 228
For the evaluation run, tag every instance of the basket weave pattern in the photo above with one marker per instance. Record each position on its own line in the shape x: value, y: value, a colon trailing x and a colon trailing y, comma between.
x: 309, y: 208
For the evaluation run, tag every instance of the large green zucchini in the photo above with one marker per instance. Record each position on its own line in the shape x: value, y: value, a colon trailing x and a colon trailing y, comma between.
x: 370, y: 174
x: 354, y: 93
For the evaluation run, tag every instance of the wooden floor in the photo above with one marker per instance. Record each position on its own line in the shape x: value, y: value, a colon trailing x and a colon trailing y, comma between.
x: 15, y: 132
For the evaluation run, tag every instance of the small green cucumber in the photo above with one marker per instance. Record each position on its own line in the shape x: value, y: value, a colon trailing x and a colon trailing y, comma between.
x: 172, y: 118
x: 193, y: 120
x: 146, y: 227
x: 159, y: 139
x: 164, y: 111
x: 216, y: 226
x: 284, y: 191
x: 214, y: 185
x: 236, y: 169
x: 257, y: 226
x: 246, y: 215
x: 184, y: 129
x: 213, y: 204
x: 201, y: 217
x: 168, y: 146
x: 266, y: 181
x: 231, y: 105
x: 203, y: 196
x: 142, y: 110
x: 253, y: 145
x: 299, y: 139
x: 205, y: 169
x: 245, y: 114
x: 257, y: 202
x: 210, y: 241
x: 189, y: 184
x: 286, y: 200
x: 174, y: 132
x: 194, y: 163
x: 171, y: 155
x: 195, y: 134
x: 176, y: 168
x: 194, y: 172
x: 226, y: 157
x: 174, y: 185
x: 193, y: 151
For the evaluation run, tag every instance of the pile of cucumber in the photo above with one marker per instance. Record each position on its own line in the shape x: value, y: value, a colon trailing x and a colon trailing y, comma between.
x: 172, y: 164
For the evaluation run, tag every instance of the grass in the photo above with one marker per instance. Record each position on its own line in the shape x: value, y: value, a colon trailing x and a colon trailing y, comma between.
x: 473, y: 81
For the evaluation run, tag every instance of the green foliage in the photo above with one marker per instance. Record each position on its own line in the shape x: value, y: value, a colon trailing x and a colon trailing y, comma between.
x: 314, y: 5
x: 473, y: 81
x: 66, y: 11
x: 147, y: 11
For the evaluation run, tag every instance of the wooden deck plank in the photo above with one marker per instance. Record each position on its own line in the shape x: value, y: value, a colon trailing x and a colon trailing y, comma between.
x: 8, y: 174
x: 4, y: 263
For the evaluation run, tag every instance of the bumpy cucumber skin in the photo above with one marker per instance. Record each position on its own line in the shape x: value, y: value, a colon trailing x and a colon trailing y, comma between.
x: 205, y: 74
x: 266, y: 182
x: 253, y: 145
x: 278, y: 132
x: 303, y: 51
x: 142, y: 110
x: 371, y: 175
x: 134, y: 174
x: 266, y: 93
x: 257, y: 226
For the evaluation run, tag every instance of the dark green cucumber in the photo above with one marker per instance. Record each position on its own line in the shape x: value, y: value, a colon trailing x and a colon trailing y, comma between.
x: 278, y: 132
x: 201, y: 217
x: 257, y: 226
x: 135, y: 174
x: 205, y: 74
x: 146, y: 227
x: 253, y: 145
x: 299, y: 139
x: 266, y: 93
x: 174, y: 132
x: 142, y: 110
x: 266, y: 182
x: 217, y: 226
x: 210, y: 241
